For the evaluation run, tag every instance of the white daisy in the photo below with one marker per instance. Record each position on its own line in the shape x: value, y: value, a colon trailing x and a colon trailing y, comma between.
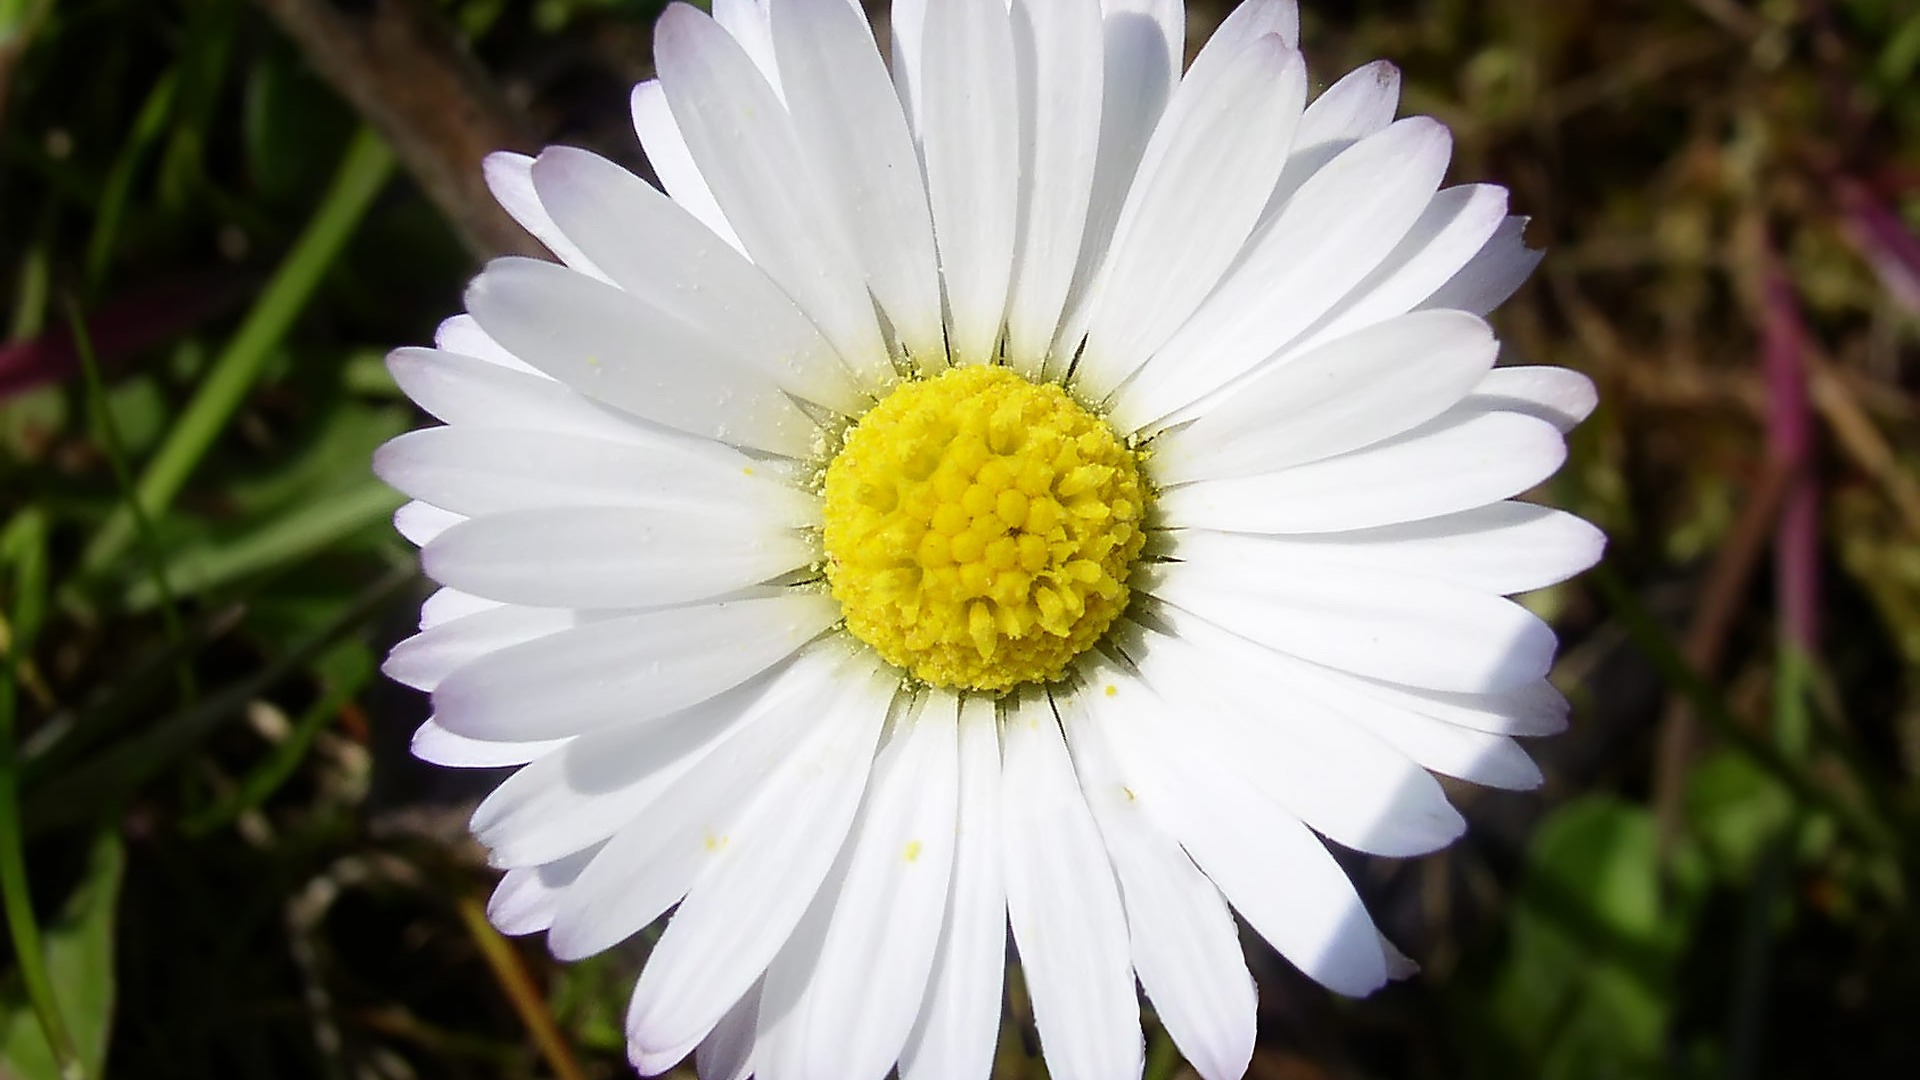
x: 1028, y: 488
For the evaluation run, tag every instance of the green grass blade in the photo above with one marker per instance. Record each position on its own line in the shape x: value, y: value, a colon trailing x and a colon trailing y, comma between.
x: 288, y: 539
x: 25, y: 549
x: 123, y: 477
x: 363, y: 172
x: 80, y: 958
x: 148, y: 126
x: 1659, y: 647
x: 133, y: 761
x: 69, y: 733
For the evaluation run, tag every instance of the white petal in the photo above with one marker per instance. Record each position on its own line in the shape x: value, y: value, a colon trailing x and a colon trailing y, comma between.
x: 510, y: 177
x: 436, y: 745
x: 727, y: 1053
x: 1559, y: 396
x: 749, y: 23
x: 782, y: 1045
x: 601, y: 557
x: 1452, y: 229
x: 620, y: 350
x: 466, y: 392
x: 1256, y: 19
x: 1059, y: 74
x: 627, y: 669
x: 672, y: 162
x: 1401, y: 722
x: 597, y: 786
x: 1144, y: 43
x: 1505, y: 548
x: 1493, y: 275
x: 1333, y: 775
x: 846, y: 1000
x: 1464, y: 754
x: 908, y: 24
x: 747, y: 149
x: 526, y: 898
x: 959, y: 1021
x: 1399, y: 965
x: 1326, y: 239
x: 1273, y: 870
x: 1360, y: 104
x: 1064, y: 906
x: 1530, y: 709
x: 970, y: 136
x: 446, y: 605
x: 752, y: 893
x: 1192, y: 103
x: 1185, y: 945
x: 576, y: 798
x: 462, y: 336
x: 478, y: 471
x: 851, y: 125
x: 1346, y: 395
x: 1399, y: 628
x: 1152, y: 43
x: 420, y: 522
x: 669, y: 795
x: 425, y: 659
x: 1455, y: 463
x: 651, y: 247
x: 1203, y: 180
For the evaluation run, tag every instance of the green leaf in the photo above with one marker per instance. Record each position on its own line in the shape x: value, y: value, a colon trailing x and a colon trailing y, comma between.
x: 1735, y: 811
x: 1902, y: 53
x: 281, y: 541
x: 134, y: 760
x: 30, y: 424
x: 1588, y: 989
x: 138, y: 409
x: 333, y: 458
x: 79, y: 952
x: 585, y: 998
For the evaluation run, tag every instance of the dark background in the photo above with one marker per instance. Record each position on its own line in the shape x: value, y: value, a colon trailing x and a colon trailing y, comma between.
x: 205, y: 803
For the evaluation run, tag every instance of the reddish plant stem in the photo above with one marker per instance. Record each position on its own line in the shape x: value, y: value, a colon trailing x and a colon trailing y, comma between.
x: 1790, y: 445
x: 1882, y: 238
x: 118, y: 329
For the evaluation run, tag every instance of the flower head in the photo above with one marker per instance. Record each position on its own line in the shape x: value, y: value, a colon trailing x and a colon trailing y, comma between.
x: 1028, y: 488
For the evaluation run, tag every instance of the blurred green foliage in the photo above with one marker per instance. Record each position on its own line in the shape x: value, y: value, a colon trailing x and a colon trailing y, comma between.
x: 218, y: 861
x: 79, y: 950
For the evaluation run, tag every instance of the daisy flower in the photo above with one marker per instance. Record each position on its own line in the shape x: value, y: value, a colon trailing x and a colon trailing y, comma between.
x: 1019, y: 487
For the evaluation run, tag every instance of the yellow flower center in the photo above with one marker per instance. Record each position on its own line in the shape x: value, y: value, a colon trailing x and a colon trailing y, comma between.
x: 980, y: 528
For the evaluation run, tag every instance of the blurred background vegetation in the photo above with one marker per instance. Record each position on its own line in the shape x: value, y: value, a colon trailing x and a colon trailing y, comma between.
x: 217, y: 859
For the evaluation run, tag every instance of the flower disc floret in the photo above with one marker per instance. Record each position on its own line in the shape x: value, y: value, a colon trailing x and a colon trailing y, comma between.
x: 979, y: 529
